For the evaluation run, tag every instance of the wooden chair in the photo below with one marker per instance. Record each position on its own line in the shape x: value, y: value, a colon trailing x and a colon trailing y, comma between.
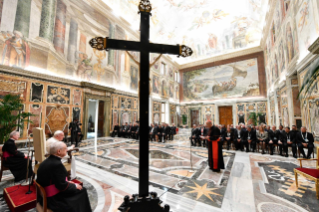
x: 3, y: 168
x: 311, y: 174
x: 39, y: 143
x: 41, y: 193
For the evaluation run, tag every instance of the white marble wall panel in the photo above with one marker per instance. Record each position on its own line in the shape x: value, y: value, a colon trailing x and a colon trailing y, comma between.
x: 8, y: 15
x: 35, y: 19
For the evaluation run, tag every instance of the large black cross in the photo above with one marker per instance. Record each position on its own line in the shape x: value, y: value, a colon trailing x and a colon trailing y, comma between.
x: 145, y: 48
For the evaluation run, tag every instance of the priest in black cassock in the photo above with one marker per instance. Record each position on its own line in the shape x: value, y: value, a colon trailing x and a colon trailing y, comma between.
x: 215, y: 153
x: 62, y: 195
x: 15, y: 160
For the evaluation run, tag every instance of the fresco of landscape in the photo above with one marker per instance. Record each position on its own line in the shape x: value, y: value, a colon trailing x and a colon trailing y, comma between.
x: 239, y: 79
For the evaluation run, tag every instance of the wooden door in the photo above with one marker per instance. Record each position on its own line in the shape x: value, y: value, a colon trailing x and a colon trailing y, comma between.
x: 101, y: 119
x: 226, y: 115
x: 194, y: 117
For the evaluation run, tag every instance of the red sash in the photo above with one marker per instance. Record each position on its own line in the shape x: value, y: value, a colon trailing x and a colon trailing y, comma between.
x: 51, y: 190
x: 215, y: 153
x: 6, y: 155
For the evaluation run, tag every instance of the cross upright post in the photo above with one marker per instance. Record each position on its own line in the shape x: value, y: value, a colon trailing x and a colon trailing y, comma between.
x: 145, y: 48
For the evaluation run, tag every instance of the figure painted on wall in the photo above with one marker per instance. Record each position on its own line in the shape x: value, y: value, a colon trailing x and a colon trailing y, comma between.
x: 282, y: 56
x: 156, y: 85
x: 125, y: 118
x: 84, y: 70
x: 101, y: 55
x: 134, y: 78
x: 286, y: 117
x: 16, y: 50
x: 303, y: 21
x: 177, y: 93
x: 164, y: 89
x: 290, y: 43
x: 171, y: 90
x: 212, y: 41
x: 156, y: 118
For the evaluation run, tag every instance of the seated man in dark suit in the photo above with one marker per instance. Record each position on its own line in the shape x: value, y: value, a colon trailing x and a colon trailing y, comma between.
x: 173, y: 131
x: 62, y: 195
x: 137, y: 132
x: 228, y: 136
x: 116, y: 130
x: 202, y: 131
x: 165, y: 131
x: 252, y: 139
x: 159, y: 131
x: 274, y: 136
x: 305, y: 140
x: 194, y: 135
x: 124, y: 130
x: 152, y: 132
x: 244, y: 138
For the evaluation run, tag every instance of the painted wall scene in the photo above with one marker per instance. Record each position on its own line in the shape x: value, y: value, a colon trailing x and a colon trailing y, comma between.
x: 239, y: 79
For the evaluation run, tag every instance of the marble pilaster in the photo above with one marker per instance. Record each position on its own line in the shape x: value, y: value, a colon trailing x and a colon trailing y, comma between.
x: 73, y: 37
x: 67, y: 33
x: 60, y: 25
x: 22, y: 18
x: 48, y: 19
x: 276, y: 110
x: 35, y: 19
x: 1, y: 7
x: 111, y: 52
x: 8, y: 15
x: 290, y: 102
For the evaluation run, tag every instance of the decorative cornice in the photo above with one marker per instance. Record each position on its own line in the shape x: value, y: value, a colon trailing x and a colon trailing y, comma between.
x: 222, y: 57
x: 314, y: 48
x: 291, y: 70
x: 301, y: 66
x: 97, y: 87
x: 38, y: 76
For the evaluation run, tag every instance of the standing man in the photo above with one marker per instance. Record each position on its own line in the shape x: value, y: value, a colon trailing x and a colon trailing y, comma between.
x: 305, y: 140
x: 74, y: 131
x: 215, y: 152
x: 244, y: 138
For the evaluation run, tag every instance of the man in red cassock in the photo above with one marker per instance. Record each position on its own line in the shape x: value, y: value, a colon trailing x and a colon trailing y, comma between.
x: 215, y: 153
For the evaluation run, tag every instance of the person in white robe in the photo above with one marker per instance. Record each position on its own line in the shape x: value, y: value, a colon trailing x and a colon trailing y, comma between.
x: 58, y: 136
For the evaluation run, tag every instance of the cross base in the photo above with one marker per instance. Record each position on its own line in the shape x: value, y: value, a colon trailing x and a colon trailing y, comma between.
x: 143, y: 204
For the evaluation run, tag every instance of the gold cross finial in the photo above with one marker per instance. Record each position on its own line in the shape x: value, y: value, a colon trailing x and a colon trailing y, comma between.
x: 145, y: 6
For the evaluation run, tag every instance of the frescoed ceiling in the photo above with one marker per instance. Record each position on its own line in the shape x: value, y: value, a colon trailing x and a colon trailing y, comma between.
x: 209, y: 27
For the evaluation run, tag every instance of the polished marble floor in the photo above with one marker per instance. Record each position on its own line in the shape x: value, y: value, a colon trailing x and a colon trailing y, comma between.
x: 179, y: 174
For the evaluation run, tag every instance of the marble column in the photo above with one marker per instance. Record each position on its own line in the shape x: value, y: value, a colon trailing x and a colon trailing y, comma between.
x: 73, y: 40
x: 22, y: 19
x: 47, y: 23
x: 35, y: 19
x: 111, y: 52
x: 60, y: 26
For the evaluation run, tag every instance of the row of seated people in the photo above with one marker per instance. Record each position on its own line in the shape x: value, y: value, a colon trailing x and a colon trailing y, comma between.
x: 127, y: 130
x: 159, y: 132
x: 267, y: 137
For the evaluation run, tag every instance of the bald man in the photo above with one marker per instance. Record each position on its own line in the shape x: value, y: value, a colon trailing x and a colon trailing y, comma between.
x: 62, y: 195
x: 305, y: 140
x: 215, y: 152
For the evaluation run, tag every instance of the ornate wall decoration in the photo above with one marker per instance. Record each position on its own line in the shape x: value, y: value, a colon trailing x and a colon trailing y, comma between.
x: 58, y: 95
x: 125, y: 117
x: 77, y: 97
x: 115, y: 117
x: 36, y: 110
x: 115, y: 102
x: 76, y: 113
x: 16, y: 87
x: 171, y: 90
x: 156, y: 84
x: 56, y: 119
x: 134, y: 78
x: 36, y: 92
x: 261, y: 107
x: 250, y: 107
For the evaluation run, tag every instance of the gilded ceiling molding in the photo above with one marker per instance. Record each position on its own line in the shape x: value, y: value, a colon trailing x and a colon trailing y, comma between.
x: 314, y: 48
x: 222, y: 57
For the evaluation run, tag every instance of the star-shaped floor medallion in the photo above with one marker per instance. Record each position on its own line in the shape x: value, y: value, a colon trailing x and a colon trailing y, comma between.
x: 203, y: 190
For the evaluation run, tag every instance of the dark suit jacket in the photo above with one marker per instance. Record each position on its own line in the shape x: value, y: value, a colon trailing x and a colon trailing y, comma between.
x: 252, y: 135
x: 243, y: 134
x: 293, y: 134
x: 166, y: 130
x: 194, y: 132
x: 231, y: 135
x: 199, y: 131
x: 173, y: 130
x: 272, y: 135
x: 301, y: 139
